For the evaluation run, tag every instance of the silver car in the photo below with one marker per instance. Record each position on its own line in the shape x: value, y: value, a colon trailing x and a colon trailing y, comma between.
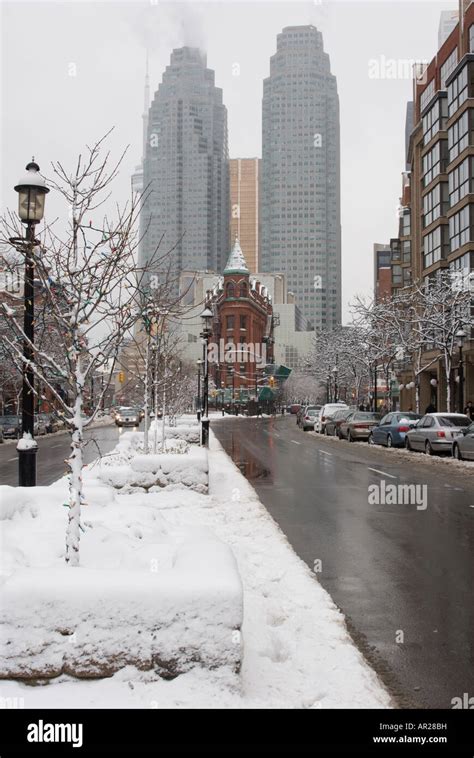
x: 127, y: 416
x: 463, y: 446
x: 436, y: 432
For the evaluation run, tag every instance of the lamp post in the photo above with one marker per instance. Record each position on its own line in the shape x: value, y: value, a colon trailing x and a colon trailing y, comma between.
x: 461, y: 336
x: 32, y: 191
x: 198, y: 409
x: 231, y: 373
x: 206, y: 318
x: 334, y: 371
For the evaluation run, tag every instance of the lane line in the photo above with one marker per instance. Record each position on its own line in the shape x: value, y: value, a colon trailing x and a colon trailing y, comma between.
x: 57, y: 445
x: 382, y: 472
x: 295, y: 442
x: 12, y: 459
x: 324, y: 452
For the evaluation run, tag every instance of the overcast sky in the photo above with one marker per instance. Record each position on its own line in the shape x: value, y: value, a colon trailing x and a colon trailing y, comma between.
x: 51, y: 114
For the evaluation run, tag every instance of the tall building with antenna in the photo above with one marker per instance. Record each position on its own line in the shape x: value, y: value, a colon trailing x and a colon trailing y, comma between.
x: 185, y: 208
x: 137, y: 176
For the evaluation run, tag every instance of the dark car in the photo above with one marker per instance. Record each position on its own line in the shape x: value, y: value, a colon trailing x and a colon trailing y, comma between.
x: 393, y: 428
x: 331, y: 427
x: 11, y: 426
x: 294, y: 408
x: 358, y: 425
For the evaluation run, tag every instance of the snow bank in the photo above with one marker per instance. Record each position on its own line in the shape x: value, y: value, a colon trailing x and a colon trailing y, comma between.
x: 152, y: 472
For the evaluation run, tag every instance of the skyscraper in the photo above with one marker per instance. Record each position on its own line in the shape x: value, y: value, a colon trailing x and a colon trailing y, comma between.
x: 300, y: 182
x: 244, y: 200
x: 186, y: 181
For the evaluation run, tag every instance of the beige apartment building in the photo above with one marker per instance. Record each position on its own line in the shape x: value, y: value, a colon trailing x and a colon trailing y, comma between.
x: 244, y: 207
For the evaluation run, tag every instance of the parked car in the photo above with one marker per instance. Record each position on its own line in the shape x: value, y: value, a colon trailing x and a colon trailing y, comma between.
x: 436, y: 432
x: 307, y: 417
x: 294, y: 408
x: 463, y: 446
x: 326, y: 412
x: 11, y: 426
x: 331, y: 427
x: 126, y: 416
x: 358, y: 425
x: 1, y: 434
x: 39, y: 425
x: 392, y: 429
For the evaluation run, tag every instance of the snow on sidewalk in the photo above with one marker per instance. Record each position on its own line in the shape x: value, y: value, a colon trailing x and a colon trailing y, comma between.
x: 297, y: 652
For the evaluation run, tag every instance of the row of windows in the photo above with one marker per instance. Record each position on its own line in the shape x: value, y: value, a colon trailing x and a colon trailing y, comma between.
x: 434, y: 162
x: 435, y: 203
x: 230, y: 323
x: 459, y: 228
x: 458, y: 91
x: 458, y: 135
x: 434, y: 246
x: 435, y: 120
x: 460, y: 181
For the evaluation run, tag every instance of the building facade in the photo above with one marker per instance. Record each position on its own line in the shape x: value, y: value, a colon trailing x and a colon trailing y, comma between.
x: 300, y: 230
x: 438, y: 205
x: 185, y: 206
x: 382, y: 271
x: 244, y: 205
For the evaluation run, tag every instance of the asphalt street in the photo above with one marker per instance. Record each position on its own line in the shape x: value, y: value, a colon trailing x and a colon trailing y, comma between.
x: 52, y: 450
x: 402, y: 575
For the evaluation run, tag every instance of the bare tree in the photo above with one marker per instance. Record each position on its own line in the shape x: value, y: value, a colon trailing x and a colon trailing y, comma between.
x: 93, y: 290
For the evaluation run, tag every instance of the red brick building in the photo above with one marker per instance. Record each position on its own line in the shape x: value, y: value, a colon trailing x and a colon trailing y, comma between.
x: 242, y: 329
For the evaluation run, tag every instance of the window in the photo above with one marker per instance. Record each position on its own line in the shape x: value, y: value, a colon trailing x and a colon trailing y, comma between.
x: 459, y: 231
x: 427, y: 94
x: 458, y: 135
x: 435, y: 204
x: 405, y: 223
x: 458, y: 91
x: 229, y: 322
x: 406, y: 249
x: 448, y: 67
x: 434, y: 162
x: 396, y: 274
x: 460, y: 181
x: 434, y: 245
x: 243, y: 322
x: 243, y: 289
x: 230, y: 289
x: 435, y: 120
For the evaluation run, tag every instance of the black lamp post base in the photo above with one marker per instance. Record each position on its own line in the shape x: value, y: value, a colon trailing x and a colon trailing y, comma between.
x: 27, y: 467
x: 205, y: 432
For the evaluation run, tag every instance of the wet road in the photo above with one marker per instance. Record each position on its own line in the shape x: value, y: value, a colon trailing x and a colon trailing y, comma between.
x: 402, y: 576
x: 52, y: 450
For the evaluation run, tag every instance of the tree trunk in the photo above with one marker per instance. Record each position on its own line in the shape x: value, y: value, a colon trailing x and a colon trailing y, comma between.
x: 73, y: 531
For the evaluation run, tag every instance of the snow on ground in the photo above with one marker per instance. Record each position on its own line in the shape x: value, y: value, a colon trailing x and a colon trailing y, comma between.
x: 297, y: 651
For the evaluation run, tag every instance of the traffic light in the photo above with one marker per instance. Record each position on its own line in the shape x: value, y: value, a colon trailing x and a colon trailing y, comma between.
x: 272, y: 381
x: 121, y: 377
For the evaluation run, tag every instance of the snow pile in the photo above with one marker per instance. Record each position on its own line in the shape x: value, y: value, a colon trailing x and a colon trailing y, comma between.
x: 157, y: 595
x: 150, y: 473
x: 184, y: 430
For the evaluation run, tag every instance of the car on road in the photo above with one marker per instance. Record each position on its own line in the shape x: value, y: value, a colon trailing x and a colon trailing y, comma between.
x: 392, y: 429
x: 307, y: 417
x: 127, y: 416
x: 437, y: 432
x: 327, y: 412
x: 358, y: 425
x: 331, y: 427
x: 11, y: 426
x: 39, y: 425
x: 463, y: 446
x: 294, y: 408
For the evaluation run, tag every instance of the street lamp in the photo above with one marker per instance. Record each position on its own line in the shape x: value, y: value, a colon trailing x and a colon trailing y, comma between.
x: 198, y: 409
x: 206, y: 319
x: 461, y: 336
x: 32, y: 191
x: 334, y: 371
x: 231, y: 372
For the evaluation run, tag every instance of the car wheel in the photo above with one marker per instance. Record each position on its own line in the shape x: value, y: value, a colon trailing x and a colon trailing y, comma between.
x: 457, y: 453
x: 389, y: 441
x: 326, y: 433
x: 370, y: 439
x: 428, y: 449
x: 407, y: 444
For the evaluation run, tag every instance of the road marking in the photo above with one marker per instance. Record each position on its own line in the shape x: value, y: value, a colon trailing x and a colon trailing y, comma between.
x: 324, y: 452
x: 56, y: 445
x: 384, y: 473
x: 12, y: 459
x: 295, y: 442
